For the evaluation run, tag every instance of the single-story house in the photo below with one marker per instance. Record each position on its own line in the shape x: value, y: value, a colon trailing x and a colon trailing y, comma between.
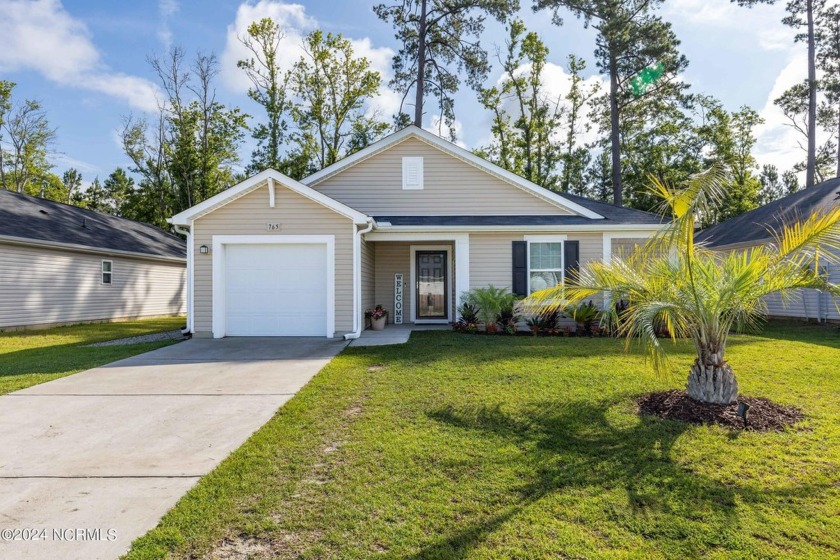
x: 411, y: 222
x: 756, y: 227
x: 61, y: 264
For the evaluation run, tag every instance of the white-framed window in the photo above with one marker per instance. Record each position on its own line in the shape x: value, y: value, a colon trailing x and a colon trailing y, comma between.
x: 412, y: 173
x: 107, y: 271
x: 545, y: 264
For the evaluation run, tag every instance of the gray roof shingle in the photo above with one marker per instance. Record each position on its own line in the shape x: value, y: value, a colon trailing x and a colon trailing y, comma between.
x: 39, y: 219
x: 612, y: 215
x: 756, y: 225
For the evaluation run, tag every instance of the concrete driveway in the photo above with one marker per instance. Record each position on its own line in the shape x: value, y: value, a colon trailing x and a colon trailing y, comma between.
x: 92, y: 461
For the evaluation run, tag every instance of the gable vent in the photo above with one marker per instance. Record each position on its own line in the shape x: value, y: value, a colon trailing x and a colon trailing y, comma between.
x: 412, y: 173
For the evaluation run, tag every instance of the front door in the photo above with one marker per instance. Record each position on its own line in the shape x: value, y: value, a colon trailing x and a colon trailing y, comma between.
x: 431, y: 285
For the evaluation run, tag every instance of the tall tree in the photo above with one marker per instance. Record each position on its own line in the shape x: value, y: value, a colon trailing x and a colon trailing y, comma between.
x: 795, y: 105
x: 730, y: 143
x: 268, y: 89
x: 439, y: 39
x: 576, y: 157
x: 333, y: 88
x: 632, y: 43
x: 26, y: 138
x: 771, y: 184
x: 802, y: 16
x: 93, y: 198
x: 144, y: 142
x: 828, y: 61
x: 202, y: 135
x: 119, y: 187
x: 526, y: 119
x: 72, y: 182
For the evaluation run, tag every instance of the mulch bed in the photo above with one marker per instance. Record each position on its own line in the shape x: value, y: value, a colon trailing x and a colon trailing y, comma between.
x: 763, y: 415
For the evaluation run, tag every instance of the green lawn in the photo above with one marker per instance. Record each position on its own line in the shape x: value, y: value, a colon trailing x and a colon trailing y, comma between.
x: 459, y: 446
x: 31, y: 357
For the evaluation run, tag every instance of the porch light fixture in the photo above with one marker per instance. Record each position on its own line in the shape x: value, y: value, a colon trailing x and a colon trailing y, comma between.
x: 742, y: 411
x: 204, y: 249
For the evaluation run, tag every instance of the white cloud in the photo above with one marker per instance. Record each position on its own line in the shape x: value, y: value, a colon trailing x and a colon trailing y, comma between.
x: 291, y: 18
x: 166, y: 9
x: 42, y: 36
x: 778, y: 143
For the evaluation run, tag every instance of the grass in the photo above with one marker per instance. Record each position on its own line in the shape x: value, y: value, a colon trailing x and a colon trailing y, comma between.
x: 458, y: 446
x: 31, y: 357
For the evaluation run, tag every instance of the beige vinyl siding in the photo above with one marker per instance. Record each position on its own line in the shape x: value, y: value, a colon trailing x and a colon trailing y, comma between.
x: 490, y: 255
x: 368, y: 276
x: 297, y: 215
x: 41, y: 286
x: 626, y: 246
x: 391, y: 258
x: 451, y: 187
x: 808, y: 304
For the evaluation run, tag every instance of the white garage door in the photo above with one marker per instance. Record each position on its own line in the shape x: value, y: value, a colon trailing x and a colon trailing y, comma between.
x: 276, y: 290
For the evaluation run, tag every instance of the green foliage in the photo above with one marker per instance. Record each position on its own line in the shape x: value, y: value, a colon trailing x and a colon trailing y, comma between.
x: 697, y: 293
x: 525, y: 119
x: 630, y: 39
x: 439, y: 39
x: 332, y: 88
x: 828, y: 61
x: 269, y: 90
x: 489, y: 302
x: 26, y: 139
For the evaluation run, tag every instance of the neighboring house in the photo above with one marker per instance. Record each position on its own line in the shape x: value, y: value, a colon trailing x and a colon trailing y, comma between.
x: 411, y: 222
x: 62, y: 264
x: 756, y: 228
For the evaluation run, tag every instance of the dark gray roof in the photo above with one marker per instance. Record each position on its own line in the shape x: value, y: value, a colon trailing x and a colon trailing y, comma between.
x: 612, y: 215
x: 45, y: 220
x: 757, y: 225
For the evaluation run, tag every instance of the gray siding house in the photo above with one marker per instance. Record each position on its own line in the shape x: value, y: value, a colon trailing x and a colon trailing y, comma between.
x: 60, y: 264
x: 756, y: 228
x: 411, y: 222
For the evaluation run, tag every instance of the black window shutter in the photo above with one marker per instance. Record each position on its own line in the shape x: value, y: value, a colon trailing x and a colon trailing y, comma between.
x: 520, y: 268
x: 571, y: 257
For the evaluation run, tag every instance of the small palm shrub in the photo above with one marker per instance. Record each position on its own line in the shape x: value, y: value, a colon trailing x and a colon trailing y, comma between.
x: 586, y: 315
x: 490, y: 301
x: 507, y: 319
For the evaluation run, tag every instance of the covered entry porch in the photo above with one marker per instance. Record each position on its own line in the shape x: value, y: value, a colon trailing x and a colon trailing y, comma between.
x: 418, y: 278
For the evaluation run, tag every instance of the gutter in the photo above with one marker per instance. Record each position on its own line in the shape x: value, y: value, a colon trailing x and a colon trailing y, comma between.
x: 357, y: 280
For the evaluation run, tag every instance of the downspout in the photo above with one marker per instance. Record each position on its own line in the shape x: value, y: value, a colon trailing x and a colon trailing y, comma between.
x: 189, y: 282
x: 357, y: 281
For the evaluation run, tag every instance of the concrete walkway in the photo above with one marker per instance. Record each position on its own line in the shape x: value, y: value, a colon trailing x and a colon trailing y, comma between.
x: 95, y: 459
x: 394, y: 334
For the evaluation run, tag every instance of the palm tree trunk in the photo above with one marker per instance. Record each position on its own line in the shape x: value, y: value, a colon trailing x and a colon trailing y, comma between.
x: 712, y: 380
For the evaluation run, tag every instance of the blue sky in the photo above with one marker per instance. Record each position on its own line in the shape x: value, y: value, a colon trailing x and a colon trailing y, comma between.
x: 85, y: 60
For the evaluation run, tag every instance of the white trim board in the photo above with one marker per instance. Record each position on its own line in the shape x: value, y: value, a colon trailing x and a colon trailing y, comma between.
x: 218, y: 291
x: 457, y: 152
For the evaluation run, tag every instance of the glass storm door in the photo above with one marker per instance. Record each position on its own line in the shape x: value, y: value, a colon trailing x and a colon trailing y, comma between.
x: 431, y: 285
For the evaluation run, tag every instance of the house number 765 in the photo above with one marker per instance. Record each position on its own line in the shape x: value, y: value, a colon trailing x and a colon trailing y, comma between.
x: 272, y: 227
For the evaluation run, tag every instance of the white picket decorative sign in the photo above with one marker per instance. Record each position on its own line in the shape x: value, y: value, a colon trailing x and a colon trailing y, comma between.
x: 398, y: 298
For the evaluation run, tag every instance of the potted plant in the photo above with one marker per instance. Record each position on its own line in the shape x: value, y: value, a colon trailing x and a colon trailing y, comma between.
x: 378, y: 317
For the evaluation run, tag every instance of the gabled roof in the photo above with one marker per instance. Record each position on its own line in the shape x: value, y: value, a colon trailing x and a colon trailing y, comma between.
x: 25, y: 218
x: 552, y: 197
x: 254, y: 182
x: 757, y: 225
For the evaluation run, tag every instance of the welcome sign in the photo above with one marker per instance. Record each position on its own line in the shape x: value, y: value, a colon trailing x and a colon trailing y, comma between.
x: 398, y: 298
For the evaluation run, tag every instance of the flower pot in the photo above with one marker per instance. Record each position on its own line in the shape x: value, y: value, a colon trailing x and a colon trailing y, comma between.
x: 378, y: 324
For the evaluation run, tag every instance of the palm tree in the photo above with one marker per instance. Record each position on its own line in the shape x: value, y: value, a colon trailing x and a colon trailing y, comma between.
x: 700, y: 294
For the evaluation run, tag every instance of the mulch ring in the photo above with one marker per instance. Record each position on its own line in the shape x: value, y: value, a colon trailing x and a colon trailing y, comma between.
x: 763, y: 415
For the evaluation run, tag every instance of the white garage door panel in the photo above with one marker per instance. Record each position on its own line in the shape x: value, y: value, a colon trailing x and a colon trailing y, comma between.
x: 276, y: 290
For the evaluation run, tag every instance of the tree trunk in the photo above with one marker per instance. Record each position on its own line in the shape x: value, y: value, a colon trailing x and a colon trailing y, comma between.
x: 812, y: 99
x: 712, y: 381
x: 421, y: 67
x: 615, y: 133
